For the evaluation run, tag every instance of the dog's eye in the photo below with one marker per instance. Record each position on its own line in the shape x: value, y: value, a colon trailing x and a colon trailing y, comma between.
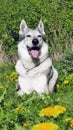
x: 39, y: 36
x: 28, y: 35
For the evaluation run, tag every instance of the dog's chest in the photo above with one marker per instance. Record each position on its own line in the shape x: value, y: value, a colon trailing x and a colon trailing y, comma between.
x: 35, y: 73
x: 41, y: 69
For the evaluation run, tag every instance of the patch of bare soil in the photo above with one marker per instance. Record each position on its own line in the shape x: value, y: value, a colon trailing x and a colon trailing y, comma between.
x: 56, y: 56
x: 6, y: 58
x: 3, y: 57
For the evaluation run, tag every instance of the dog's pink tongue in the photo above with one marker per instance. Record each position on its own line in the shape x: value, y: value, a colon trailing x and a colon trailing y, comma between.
x: 35, y: 53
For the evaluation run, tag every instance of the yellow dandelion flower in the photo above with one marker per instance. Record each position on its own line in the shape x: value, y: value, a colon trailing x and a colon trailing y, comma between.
x: 57, y: 86
x: 71, y: 123
x: 25, y: 124
x: 14, y: 73
x: 45, y: 126
x: 7, y: 76
x: 1, y: 87
x: 52, y: 111
x: 20, y: 108
x: 68, y: 119
x: 16, y: 80
x: 71, y: 75
x: 60, y: 109
x: 12, y: 78
x: 66, y: 81
x: 46, y: 111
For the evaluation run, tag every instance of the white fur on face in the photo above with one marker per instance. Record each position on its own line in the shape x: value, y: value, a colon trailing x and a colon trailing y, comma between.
x: 32, y: 34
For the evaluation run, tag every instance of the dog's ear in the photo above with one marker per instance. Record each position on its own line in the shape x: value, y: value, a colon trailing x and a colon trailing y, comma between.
x: 41, y: 27
x: 23, y: 27
x: 23, y: 30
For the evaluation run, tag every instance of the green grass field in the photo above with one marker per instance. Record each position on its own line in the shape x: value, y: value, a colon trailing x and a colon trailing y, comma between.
x: 22, y: 113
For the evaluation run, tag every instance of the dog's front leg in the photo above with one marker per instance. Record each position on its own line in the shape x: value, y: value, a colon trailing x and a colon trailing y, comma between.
x: 20, y: 69
x: 25, y: 85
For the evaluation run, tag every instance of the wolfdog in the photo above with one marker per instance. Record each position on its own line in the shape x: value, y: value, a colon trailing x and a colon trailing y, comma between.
x: 35, y: 69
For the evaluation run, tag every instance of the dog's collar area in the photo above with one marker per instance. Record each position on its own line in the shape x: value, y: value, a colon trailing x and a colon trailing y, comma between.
x: 37, y: 64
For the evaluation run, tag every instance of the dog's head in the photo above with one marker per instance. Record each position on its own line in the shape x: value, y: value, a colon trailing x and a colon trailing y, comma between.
x: 32, y: 38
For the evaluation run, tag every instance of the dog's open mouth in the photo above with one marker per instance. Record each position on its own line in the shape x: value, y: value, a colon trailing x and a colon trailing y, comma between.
x: 34, y: 51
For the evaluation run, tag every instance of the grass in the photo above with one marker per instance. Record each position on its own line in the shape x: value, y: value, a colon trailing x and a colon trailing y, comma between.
x: 22, y: 113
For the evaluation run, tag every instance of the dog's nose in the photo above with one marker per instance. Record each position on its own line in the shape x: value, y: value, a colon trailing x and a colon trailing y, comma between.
x: 35, y: 41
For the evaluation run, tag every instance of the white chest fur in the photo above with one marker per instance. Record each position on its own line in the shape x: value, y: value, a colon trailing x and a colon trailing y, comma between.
x: 42, y: 68
x: 34, y: 79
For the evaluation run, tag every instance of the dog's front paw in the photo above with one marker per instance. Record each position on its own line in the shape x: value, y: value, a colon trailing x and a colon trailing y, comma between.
x: 20, y: 93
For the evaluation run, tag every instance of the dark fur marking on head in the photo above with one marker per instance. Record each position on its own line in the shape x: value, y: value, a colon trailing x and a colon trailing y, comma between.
x: 44, y: 38
x: 21, y: 37
x: 43, y: 35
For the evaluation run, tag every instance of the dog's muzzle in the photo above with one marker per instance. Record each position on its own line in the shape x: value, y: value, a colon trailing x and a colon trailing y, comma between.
x: 34, y: 51
x: 35, y: 42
